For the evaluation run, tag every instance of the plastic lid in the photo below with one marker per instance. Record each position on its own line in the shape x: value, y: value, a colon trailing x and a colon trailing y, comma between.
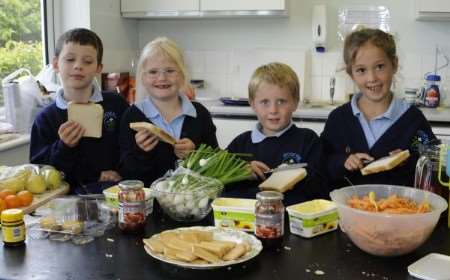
x: 131, y: 184
x: 12, y: 215
x: 434, y: 78
x: 320, y: 49
x: 269, y: 196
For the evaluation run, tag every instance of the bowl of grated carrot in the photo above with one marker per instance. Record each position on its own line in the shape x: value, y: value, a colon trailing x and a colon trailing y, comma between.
x: 387, y: 220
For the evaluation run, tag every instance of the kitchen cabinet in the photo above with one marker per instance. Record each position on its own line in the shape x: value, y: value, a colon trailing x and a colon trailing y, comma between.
x: 201, y: 8
x: 432, y: 9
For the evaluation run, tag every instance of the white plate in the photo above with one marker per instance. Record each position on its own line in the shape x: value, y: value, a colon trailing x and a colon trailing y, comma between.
x: 219, y: 234
x: 431, y: 267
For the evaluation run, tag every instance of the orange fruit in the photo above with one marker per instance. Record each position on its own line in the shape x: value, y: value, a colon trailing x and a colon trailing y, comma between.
x: 5, y: 192
x: 12, y: 201
x: 25, y: 197
x: 2, y: 205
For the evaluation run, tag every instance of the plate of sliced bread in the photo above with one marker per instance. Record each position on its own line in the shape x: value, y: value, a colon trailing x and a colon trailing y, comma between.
x: 202, y: 247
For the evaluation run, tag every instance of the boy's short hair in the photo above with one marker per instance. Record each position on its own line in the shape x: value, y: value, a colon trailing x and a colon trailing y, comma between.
x: 275, y: 73
x: 83, y: 37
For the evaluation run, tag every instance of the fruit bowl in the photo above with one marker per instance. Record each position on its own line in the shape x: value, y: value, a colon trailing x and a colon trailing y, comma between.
x: 188, y: 199
x: 385, y: 234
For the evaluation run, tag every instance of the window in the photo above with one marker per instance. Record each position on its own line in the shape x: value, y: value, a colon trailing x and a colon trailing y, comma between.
x: 21, y: 36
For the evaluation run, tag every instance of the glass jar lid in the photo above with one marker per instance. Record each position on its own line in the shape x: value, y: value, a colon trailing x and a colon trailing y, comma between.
x: 269, y: 196
x: 131, y: 185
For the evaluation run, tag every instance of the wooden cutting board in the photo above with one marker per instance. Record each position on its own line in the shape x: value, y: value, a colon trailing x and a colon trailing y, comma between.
x: 41, y: 199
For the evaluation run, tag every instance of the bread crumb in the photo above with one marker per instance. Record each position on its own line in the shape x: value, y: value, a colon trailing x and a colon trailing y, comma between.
x: 108, y: 255
x: 308, y: 270
x: 319, y: 272
x: 110, y: 239
x: 287, y: 248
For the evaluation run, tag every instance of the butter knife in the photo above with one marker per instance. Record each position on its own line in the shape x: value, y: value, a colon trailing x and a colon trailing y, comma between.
x: 287, y: 167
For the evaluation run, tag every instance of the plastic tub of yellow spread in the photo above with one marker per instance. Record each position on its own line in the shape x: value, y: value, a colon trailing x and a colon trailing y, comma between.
x: 112, y: 198
x: 238, y: 213
x: 313, y: 217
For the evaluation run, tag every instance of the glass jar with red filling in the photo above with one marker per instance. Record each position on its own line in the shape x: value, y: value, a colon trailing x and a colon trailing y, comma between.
x: 269, y: 223
x: 131, y: 205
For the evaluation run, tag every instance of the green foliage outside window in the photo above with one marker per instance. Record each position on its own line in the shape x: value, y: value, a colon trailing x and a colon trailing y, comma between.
x: 20, y: 36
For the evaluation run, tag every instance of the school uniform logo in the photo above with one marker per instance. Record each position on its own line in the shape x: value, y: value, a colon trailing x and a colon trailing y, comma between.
x: 110, y: 121
x: 291, y: 158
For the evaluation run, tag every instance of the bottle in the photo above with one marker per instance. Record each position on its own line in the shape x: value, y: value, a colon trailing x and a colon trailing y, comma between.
x: 269, y: 222
x: 431, y: 93
x: 131, y: 206
x: 13, y: 227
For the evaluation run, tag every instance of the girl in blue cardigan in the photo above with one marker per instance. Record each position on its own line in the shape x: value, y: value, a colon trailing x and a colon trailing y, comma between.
x: 374, y: 123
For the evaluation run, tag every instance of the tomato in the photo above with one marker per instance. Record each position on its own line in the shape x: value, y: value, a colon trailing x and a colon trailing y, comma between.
x: 5, y: 192
x: 12, y: 201
x: 26, y: 197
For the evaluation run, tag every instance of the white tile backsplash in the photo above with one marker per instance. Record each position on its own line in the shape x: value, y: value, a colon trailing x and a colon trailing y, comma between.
x: 227, y: 73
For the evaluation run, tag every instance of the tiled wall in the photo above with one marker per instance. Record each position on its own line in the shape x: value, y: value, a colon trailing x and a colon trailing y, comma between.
x: 226, y: 73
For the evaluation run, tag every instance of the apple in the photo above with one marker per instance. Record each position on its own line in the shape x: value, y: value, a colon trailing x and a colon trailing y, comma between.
x: 52, y: 178
x: 36, y: 184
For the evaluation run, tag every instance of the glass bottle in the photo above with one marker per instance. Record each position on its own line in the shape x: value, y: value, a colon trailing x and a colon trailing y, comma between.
x: 131, y: 205
x: 269, y: 222
x: 13, y: 227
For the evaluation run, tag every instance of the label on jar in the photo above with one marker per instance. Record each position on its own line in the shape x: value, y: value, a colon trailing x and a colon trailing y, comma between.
x: 132, y: 212
x: 432, y: 96
x: 269, y: 225
x: 12, y: 234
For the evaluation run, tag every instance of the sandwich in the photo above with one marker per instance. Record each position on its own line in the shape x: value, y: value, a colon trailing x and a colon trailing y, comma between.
x: 283, y: 180
x: 385, y: 163
x: 88, y: 115
x: 161, y: 134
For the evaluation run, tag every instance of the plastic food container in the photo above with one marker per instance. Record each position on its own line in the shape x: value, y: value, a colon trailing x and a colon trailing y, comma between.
x: 112, y: 198
x: 313, y: 217
x: 238, y: 213
x: 384, y: 234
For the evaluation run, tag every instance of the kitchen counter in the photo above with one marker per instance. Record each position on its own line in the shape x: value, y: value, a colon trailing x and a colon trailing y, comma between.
x: 121, y: 256
x: 317, y: 112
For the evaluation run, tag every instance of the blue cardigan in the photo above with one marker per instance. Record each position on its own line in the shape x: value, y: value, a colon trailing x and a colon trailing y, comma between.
x: 343, y: 135
x: 82, y: 164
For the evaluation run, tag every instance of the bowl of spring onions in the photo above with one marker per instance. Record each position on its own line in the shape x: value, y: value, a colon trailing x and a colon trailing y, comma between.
x: 186, y: 194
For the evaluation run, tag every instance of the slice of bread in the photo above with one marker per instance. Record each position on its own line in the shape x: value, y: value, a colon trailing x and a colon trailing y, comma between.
x: 283, y: 180
x: 385, y: 163
x: 89, y: 116
x: 160, y: 133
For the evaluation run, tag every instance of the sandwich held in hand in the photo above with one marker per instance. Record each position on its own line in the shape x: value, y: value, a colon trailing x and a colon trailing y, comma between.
x: 89, y: 116
x: 385, y: 163
x: 161, y: 134
x: 283, y: 180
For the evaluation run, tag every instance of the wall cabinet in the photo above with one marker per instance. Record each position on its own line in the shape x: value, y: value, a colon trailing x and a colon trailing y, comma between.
x: 201, y: 8
x: 432, y: 9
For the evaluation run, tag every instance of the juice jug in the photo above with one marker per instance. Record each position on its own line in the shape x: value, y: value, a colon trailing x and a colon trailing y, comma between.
x: 430, y: 174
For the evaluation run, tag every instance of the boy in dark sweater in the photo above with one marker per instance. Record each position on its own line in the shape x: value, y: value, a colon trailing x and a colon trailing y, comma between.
x: 89, y: 164
x: 374, y: 123
x: 161, y: 79
x: 274, y: 96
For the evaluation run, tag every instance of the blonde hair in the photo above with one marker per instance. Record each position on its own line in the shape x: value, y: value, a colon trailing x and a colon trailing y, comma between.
x: 275, y: 73
x: 170, y: 50
x: 380, y: 39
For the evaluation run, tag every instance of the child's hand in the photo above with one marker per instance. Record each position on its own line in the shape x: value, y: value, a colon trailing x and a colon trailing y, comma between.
x: 146, y: 140
x: 109, y: 176
x: 70, y: 133
x: 354, y: 161
x: 183, y: 147
x: 258, y: 169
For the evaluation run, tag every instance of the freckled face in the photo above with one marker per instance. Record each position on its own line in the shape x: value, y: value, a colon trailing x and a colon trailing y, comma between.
x: 274, y: 107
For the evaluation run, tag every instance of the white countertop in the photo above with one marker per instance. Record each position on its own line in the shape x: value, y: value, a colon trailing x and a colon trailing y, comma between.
x: 216, y: 108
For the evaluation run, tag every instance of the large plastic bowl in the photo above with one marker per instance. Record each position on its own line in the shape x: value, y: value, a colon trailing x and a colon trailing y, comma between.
x: 384, y: 234
x: 186, y: 205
